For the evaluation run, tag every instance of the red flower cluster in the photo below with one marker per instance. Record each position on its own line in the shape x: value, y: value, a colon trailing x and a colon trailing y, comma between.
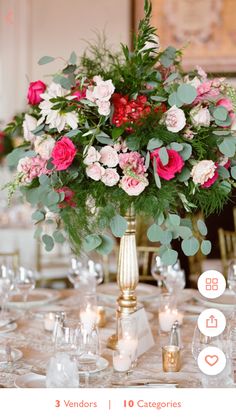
x: 129, y: 111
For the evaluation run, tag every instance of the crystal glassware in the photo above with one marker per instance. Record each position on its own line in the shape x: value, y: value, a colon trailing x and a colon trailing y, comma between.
x: 25, y: 282
x: 6, y: 286
x: 175, y: 280
x: 158, y: 270
x: 231, y: 277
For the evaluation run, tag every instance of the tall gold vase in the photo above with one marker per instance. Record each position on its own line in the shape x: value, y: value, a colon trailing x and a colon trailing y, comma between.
x: 127, y: 273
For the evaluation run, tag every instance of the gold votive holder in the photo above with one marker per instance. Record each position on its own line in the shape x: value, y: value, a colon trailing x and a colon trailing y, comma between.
x: 171, y: 358
x: 101, y: 316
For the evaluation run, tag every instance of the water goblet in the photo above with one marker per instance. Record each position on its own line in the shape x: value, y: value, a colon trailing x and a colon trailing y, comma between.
x: 6, y: 286
x: 231, y: 277
x: 24, y: 283
x: 158, y: 269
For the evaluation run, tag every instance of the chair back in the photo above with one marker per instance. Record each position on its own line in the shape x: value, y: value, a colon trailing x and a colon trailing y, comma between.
x: 227, y: 242
x: 10, y: 259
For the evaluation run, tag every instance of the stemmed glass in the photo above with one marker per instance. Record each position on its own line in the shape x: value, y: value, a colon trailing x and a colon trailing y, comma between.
x: 25, y: 282
x: 158, y: 269
x: 85, y: 274
x: 201, y: 341
x: 6, y: 285
x: 175, y: 280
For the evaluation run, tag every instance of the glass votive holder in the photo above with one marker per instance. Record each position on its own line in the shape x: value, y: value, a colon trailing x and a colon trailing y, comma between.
x: 121, y: 361
x: 171, y: 358
x: 49, y: 321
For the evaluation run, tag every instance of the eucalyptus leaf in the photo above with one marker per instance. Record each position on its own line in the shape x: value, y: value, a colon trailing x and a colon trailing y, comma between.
x: 154, y: 233
x: 176, y: 146
x: 184, y: 175
x: 91, y: 242
x: 52, y: 198
x: 184, y: 232
x: 154, y: 143
x: 147, y: 160
x: 206, y: 247
x: 186, y: 152
x: 226, y: 186
x: 133, y: 143
x: 223, y: 172
x: 171, y: 77
x: 17, y: 154
x: 221, y: 113
x: 58, y: 237
x: 44, y: 180
x: 233, y: 172
x: 190, y: 246
x: 202, y: 228
x: 48, y: 241
x: 104, y: 139
x: 118, y: 225
x: 158, y: 98
x: 106, y: 245
x: 38, y: 216
x: 160, y: 219
x: 187, y: 93
x: 73, y: 133
x: 175, y: 100
x: 227, y: 147
x: 163, y: 155
x: 174, y: 219
x: 166, y: 237
x: 45, y: 60
x: 73, y: 58
x: 169, y: 257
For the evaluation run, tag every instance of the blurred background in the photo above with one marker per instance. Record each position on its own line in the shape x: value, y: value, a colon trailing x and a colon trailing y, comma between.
x: 30, y: 29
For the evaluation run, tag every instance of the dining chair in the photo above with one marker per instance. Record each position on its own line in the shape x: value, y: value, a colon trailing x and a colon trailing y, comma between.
x: 52, y: 267
x: 227, y: 242
x: 10, y: 259
x: 234, y: 216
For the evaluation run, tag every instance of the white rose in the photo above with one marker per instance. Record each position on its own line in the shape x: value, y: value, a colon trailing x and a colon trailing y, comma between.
x: 29, y: 125
x: 103, y: 90
x: 104, y: 107
x: 110, y: 177
x: 200, y: 116
x: 175, y: 119
x: 109, y: 156
x: 44, y: 146
x: 92, y: 155
x: 89, y: 94
x: 203, y: 171
x: 95, y: 171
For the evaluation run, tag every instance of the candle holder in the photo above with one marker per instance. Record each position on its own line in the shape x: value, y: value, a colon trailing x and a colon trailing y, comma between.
x: 101, y: 316
x: 171, y: 358
x: 168, y: 313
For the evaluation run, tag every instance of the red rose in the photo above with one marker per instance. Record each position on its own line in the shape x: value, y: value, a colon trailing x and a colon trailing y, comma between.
x: 36, y: 88
x: 174, y: 165
x: 63, y: 153
x: 1, y: 142
x: 68, y: 200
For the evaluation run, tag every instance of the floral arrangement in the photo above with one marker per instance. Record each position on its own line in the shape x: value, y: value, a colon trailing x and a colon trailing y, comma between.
x: 115, y: 130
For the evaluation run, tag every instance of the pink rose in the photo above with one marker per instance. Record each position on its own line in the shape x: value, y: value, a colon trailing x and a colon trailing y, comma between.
x: 36, y: 88
x: 175, y: 119
x: 91, y: 155
x: 133, y: 186
x: 204, y: 173
x: 109, y: 156
x: 226, y: 103
x: 103, y: 90
x: 68, y: 200
x: 110, y: 177
x: 174, y: 165
x: 31, y: 168
x: 95, y: 171
x: 63, y: 153
x: 104, y: 107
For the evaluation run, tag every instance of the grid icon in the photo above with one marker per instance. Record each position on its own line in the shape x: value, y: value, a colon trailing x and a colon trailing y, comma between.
x: 211, y: 284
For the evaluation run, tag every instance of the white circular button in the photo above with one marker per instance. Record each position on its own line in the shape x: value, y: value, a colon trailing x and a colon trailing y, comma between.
x: 211, y: 322
x: 211, y: 360
x: 211, y: 284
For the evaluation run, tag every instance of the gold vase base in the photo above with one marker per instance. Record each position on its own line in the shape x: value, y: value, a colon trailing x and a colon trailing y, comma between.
x: 112, y: 342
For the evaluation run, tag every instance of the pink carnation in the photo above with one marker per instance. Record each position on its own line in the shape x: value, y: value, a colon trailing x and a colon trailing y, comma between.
x: 174, y: 165
x: 206, y: 91
x: 32, y: 167
x: 226, y: 103
x: 63, y: 153
x: 110, y: 177
x: 36, y: 88
x: 132, y: 161
x: 133, y: 186
x: 68, y: 200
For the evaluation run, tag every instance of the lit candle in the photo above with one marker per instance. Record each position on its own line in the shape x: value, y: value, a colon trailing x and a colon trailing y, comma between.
x: 101, y: 316
x: 49, y: 322
x: 121, y: 362
x: 168, y: 317
x: 88, y: 318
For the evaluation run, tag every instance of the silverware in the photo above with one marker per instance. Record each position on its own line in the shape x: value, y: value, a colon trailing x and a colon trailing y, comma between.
x: 6, y: 324
x: 147, y: 383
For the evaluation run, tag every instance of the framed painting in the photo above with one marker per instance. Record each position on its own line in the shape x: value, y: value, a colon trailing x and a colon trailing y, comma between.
x: 204, y: 28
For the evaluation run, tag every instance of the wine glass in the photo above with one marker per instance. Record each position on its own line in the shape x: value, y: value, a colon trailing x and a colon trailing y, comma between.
x: 25, y: 282
x: 201, y: 341
x: 6, y: 285
x: 158, y: 269
x: 231, y: 278
x: 175, y: 280
x: 85, y: 274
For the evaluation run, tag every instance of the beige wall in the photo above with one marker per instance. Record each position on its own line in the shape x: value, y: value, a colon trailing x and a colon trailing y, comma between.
x: 30, y: 29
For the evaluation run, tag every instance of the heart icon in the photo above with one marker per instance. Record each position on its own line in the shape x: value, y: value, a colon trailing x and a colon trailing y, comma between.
x: 211, y: 360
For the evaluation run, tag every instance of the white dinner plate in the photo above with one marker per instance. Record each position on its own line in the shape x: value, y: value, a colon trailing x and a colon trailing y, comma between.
x: 36, y: 298
x: 101, y: 364
x: 144, y: 292
x: 30, y: 381
x: 16, y: 354
x: 225, y: 301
